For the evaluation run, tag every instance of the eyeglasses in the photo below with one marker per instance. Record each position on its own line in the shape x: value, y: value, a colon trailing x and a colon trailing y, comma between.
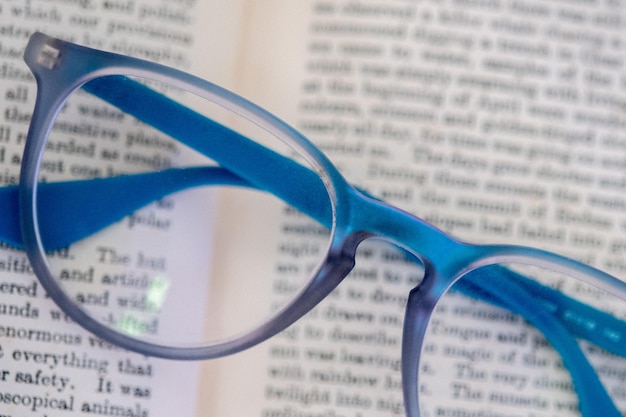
x: 117, y: 201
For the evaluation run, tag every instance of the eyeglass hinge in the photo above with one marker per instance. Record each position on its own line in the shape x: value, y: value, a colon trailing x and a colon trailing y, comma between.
x: 48, y: 56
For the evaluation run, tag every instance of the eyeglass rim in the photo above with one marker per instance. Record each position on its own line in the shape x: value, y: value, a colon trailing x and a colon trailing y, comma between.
x: 421, y: 305
x: 52, y: 91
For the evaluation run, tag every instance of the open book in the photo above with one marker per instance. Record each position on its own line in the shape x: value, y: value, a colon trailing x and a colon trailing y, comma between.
x: 496, y: 121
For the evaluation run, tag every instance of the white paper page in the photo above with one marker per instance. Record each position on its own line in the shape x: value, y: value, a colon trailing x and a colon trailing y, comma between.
x: 496, y: 121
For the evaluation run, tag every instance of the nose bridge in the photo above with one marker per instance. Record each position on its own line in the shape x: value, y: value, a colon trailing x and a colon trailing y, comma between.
x: 375, y: 218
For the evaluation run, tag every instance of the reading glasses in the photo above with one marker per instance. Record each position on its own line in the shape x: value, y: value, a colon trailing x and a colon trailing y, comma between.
x: 113, y: 233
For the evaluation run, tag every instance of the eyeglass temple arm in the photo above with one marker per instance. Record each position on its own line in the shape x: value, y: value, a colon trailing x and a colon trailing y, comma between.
x: 583, y: 321
x: 238, y: 156
x: 75, y: 217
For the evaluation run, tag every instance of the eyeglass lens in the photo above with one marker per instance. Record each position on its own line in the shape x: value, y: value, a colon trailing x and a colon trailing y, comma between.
x: 548, y: 337
x: 170, y: 272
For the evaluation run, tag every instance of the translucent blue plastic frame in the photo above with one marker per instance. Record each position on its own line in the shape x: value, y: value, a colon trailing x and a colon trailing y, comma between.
x: 62, y: 67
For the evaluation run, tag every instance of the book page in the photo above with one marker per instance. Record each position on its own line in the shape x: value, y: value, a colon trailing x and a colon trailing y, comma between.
x: 50, y: 366
x: 497, y: 121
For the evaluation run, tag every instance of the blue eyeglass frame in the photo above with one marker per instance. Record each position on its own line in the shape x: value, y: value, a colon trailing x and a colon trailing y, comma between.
x: 61, y: 67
